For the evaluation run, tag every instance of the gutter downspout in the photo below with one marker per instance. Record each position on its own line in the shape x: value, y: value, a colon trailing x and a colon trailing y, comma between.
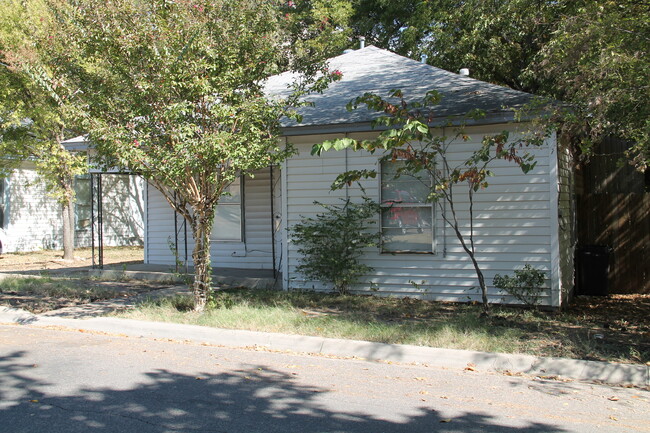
x: 284, y: 222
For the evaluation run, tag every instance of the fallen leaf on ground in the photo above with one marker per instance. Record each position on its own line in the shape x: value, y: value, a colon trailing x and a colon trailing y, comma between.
x: 446, y: 420
x: 613, y: 398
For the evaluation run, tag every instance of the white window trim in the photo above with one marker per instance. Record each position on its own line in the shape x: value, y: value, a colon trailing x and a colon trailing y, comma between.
x: 241, y: 239
x: 431, y: 206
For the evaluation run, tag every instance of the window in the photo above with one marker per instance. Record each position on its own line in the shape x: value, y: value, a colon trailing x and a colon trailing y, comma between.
x: 228, y: 216
x: 406, y: 217
x: 82, y: 202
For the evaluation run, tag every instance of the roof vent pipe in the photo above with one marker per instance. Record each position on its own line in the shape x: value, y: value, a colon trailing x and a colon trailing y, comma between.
x: 464, y: 72
x: 423, y: 58
x: 362, y: 42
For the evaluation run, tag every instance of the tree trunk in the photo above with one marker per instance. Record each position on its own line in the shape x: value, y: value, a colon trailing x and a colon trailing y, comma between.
x: 470, y: 252
x: 477, y: 269
x: 201, y: 227
x: 68, y: 231
x: 481, y: 283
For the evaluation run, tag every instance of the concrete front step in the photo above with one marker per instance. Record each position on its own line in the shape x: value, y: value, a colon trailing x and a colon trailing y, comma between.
x: 220, y: 280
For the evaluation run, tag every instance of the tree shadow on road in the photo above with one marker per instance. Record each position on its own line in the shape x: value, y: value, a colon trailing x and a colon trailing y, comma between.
x: 257, y: 399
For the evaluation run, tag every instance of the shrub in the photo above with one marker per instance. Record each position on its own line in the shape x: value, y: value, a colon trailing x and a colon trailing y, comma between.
x: 526, y: 285
x: 332, y: 243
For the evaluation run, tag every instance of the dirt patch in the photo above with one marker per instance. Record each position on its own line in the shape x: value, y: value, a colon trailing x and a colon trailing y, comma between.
x: 623, y: 313
x: 53, y: 291
x: 52, y: 259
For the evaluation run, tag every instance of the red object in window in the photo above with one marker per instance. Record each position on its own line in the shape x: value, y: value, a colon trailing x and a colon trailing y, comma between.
x: 404, y: 217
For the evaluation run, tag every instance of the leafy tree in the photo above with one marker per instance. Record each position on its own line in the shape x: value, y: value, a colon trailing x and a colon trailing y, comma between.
x: 426, y: 158
x: 496, y: 39
x: 173, y: 91
x: 401, y: 26
x: 590, y: 54
x: 597, y: 59
x: 318, y: 28
x: 34, y: 111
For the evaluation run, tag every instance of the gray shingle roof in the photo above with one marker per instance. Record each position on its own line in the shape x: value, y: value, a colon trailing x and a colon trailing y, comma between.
x: 375, y: 70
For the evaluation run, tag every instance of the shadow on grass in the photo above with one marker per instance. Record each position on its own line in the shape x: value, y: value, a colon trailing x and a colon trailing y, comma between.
x: 412, y: 321
x: 256, y: 400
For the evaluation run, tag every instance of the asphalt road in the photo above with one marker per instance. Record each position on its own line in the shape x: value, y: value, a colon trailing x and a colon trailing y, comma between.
x: 57, y: 380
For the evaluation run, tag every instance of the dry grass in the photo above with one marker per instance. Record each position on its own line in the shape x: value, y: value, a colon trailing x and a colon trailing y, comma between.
x: 613, y: 328
x: 41, y: 294
x: 602, y: 332
x: 45, y: 292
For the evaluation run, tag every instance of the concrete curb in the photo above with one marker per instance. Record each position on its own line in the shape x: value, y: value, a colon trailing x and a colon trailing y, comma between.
x: 592, y: 371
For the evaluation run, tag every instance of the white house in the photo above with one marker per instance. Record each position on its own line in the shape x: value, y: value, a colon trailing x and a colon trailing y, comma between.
x: 519, y: 218
x: 31, y: 220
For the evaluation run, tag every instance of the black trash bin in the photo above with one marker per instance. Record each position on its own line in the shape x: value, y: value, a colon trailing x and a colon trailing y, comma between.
x: 593, y: 270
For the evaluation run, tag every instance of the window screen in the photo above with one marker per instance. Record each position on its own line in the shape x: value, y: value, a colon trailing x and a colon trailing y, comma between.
x: 406, y: 217
x: 228, y: 216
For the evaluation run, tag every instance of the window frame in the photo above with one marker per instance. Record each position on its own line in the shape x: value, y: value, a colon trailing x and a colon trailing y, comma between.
x: 418, y: 205
x: 241, y: 239
x: 77, y: 206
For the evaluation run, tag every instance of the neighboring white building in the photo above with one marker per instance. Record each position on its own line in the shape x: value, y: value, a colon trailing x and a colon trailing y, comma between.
x: 31, y: 220
x: 519, y: 218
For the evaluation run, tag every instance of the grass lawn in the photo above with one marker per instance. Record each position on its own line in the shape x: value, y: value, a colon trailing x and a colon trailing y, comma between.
x: 577, y: 333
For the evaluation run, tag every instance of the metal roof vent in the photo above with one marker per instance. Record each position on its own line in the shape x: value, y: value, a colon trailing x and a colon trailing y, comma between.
x: 362, y: 42
x: 423, y: 58
x: 464, y: 72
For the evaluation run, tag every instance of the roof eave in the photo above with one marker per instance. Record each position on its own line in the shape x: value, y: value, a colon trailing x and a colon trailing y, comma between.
x: 76, y: 144
x: 342, y: 128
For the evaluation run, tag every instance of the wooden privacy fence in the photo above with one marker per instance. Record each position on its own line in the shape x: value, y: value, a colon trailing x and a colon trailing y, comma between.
x: 613, y: 205
x: 622, y: 222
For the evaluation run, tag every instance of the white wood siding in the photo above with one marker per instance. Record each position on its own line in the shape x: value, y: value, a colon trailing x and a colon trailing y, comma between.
x: 512, y: 224
x: 33, y: 218
x: 254, y: 252
x: 567, y: 230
